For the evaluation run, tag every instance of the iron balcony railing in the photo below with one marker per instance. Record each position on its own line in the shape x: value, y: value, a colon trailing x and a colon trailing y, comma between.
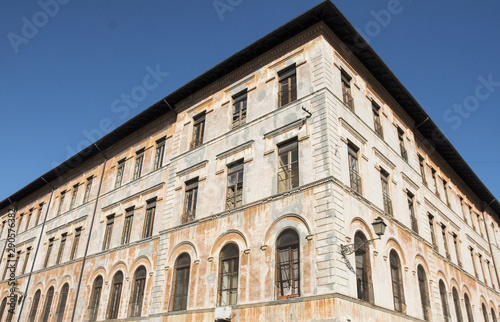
x: 288, y: 95
x: 348, y: 100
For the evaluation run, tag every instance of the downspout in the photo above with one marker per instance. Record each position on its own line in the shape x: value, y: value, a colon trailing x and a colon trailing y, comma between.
x: 489, y: 242
x: 90, y: 234
x: 37, y: 248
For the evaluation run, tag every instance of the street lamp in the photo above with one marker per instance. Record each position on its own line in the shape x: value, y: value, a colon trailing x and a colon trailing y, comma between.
x: 379, y: 227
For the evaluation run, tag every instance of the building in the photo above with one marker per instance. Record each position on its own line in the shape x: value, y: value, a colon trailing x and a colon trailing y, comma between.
x: 240, y: 195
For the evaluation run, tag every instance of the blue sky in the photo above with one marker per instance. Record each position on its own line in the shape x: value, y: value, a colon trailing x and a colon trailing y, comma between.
x: 63, y: 72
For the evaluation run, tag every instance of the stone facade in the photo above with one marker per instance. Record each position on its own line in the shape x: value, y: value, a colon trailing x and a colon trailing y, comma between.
x: 449, y: 232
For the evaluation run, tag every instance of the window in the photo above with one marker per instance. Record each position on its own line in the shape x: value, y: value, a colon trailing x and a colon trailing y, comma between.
x: 288, y: 168
x: 384, y: 178
x: 288, y: 265
x: 3, y: 226
x: 48, y: 304
x: 137, y: 295
x: 10, y: 315
x: 2, y: 307
x: 468, y: 308
x: 34, y: 306
x: 444, y: 302
x: 456, y: 303
x: 138, y: 165
x: 478, y: 216
x: 377, y: 125
x: 95, y: 298
x: 76, y: 240
x: 160, y: 149
x: 49, y: 250
x: 190, y: 197
x: 239, y: 109
x: 62, y: 303
x: 457, y: 249
x: 73, y: 196
x: 434, y: 179
x: 107, y: 233
x: 6, y: 260
x: 424, y: 293
x: 445, y: 241
x: 493, y: 315
x: 61, y: 202
x: 234, y: 195
x: 26, y: 258
x: 354, y: 177
x: 127, y: 226
x: 471, y: 218
x: 473, y: 261
x: 422, y: 169
x: 445, y: 188
x: 119, y: 173
x: 38, y: 214
x: 346, y: 91
x: 149, y: 220
x: 482, y: 268
x: 181, y: 283
x: 88, y: 187
x: 198, y: 131
x: 433, y: 232
x: 61, y: 248
x: 19, y: 223
x: 288, y: 86
x: 363, y: 270
x: 18, y: 256
x: 228, y: 275
x: 115, y: 295
x: 28, y: 219
x: 411, y: 210
x: 491, y: 275
x: 397, y: 282
x: 485, y: 313
x: 462, y: 208
x: 401, y: 138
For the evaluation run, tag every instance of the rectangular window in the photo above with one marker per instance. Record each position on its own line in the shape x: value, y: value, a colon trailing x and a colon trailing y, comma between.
x: 346, y: 91
x: 445, y: 187
x: 61, y: 248
x: 234, y: 196
x: 433, y: 232
x: 28, y: 219
x: 39, y: 213
x: 288, y: 86
x: 19, y: 223
x: 401, y: 138
x: 88, y: 187
x: 491, y: 274
x: 478, y: 216
x: 239, y: 110
x: 26, y: 258
x: 445, y: 241
x: 482, y: 268
x: 73, y: 196
x: 119, y: 173
x: 434, y: 179
x: 191, y: 194
x: 198, y: 131
x: 411, y: 211
x: 127, y: 226
x: 138, y: 165
x: 109, y: 230
x: 377, y: 125
x: 149, y: 220
x: 457, y: 249
x: 49, y: 250
x: 471, y: 218
x: 384, y: 178
x: 354, y: 176
x: 462, y: 208
x: 422, y: 169
x: 61, y: 202
x: 473, y: 261
x: 160, y: 149
x: 18, y: 256
x: 6, y: 268
x: 76, y: 240
x: 288, y: 165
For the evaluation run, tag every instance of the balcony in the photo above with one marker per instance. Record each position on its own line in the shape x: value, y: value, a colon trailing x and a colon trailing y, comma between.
x: 347, y: 98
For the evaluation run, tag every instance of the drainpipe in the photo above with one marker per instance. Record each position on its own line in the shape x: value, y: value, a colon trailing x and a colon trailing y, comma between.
x: 37, y: 248
x: 489, y: 242
x: 90, y: 234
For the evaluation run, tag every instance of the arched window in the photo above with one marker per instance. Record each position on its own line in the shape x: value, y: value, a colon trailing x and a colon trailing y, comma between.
x: 137, y: 295
x: 181, y: 283
x: 444, y: 301
x: 485, y: 313
x: 493, y: 315
x: 2, y: 307
x: 397, y: 282
x: 456, y: 303
x: 363, y: 270
x: 287, y: 264
x: 424, y: 293
x: 115, y: 295
x: 10, y: 315
x: 468, y: 308
x: 63, y: 298
x: 228, y: 275
x: 48, y: 304
x: 95, y: 298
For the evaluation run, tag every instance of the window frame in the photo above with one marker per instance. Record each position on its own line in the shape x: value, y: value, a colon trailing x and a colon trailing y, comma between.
x: 76, y: 240
x: 355, y: 181
x: 49, y: 251
x: 198, y: 134
x: 386, y: 191
x: 62, y: 302
x: 34, y: 306
x: 184, y: 295
x: 240, y: 103
x: 288, y: 147
x: 95, y: 297
x: 120, y: 171
x: 159, y: 153
x: 377, y: 121
x: 127, y: 226
x: 137, y: 293
x: 347, y: 98
x: 288, y: 77
x: 74, y: 194
x: 233, y: 271
x: 233, y: 172
x: 190, y: 200
x: 149, y: 218
x: 62, y: 244
x: 364, y: 281
x: 115, y: 296
x: 110, y: 220
x: 88, y: 188
x: 445, y: 307
x: 281, y: 266
x: 397, y: 282
x: 139, y: 160
x: 423, y: 288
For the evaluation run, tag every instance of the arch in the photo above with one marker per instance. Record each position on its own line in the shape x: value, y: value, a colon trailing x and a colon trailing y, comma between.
x: 95, y: 297
x: 66, y: 279
x: 286, y: 221
x: 288, y: 264
x: 393, y: 244
x: 493, y: 315
x: 441, y: 276
x: 456, y: 303
x: 119, y: 266
x: 141, y: 260
x: 465, y: 290
x: 359, y: 224
x: 485, y: 312
x: 232, y: 235
x: 423, y: 285
x: 100, y: 270
x: 364, y: 284
x: 115, y: 295
x: 443, y: 294
x: 454, y: 283
x: 137, y: 293
x: 48, y: 303
x: 34, y: 306
x: 182, y: 247
x: 420, y: 260
x: 51, y: 283
x: 63, y: 299
x: 228, y: 275
x: 397, y: 281
x: 468, y: 308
